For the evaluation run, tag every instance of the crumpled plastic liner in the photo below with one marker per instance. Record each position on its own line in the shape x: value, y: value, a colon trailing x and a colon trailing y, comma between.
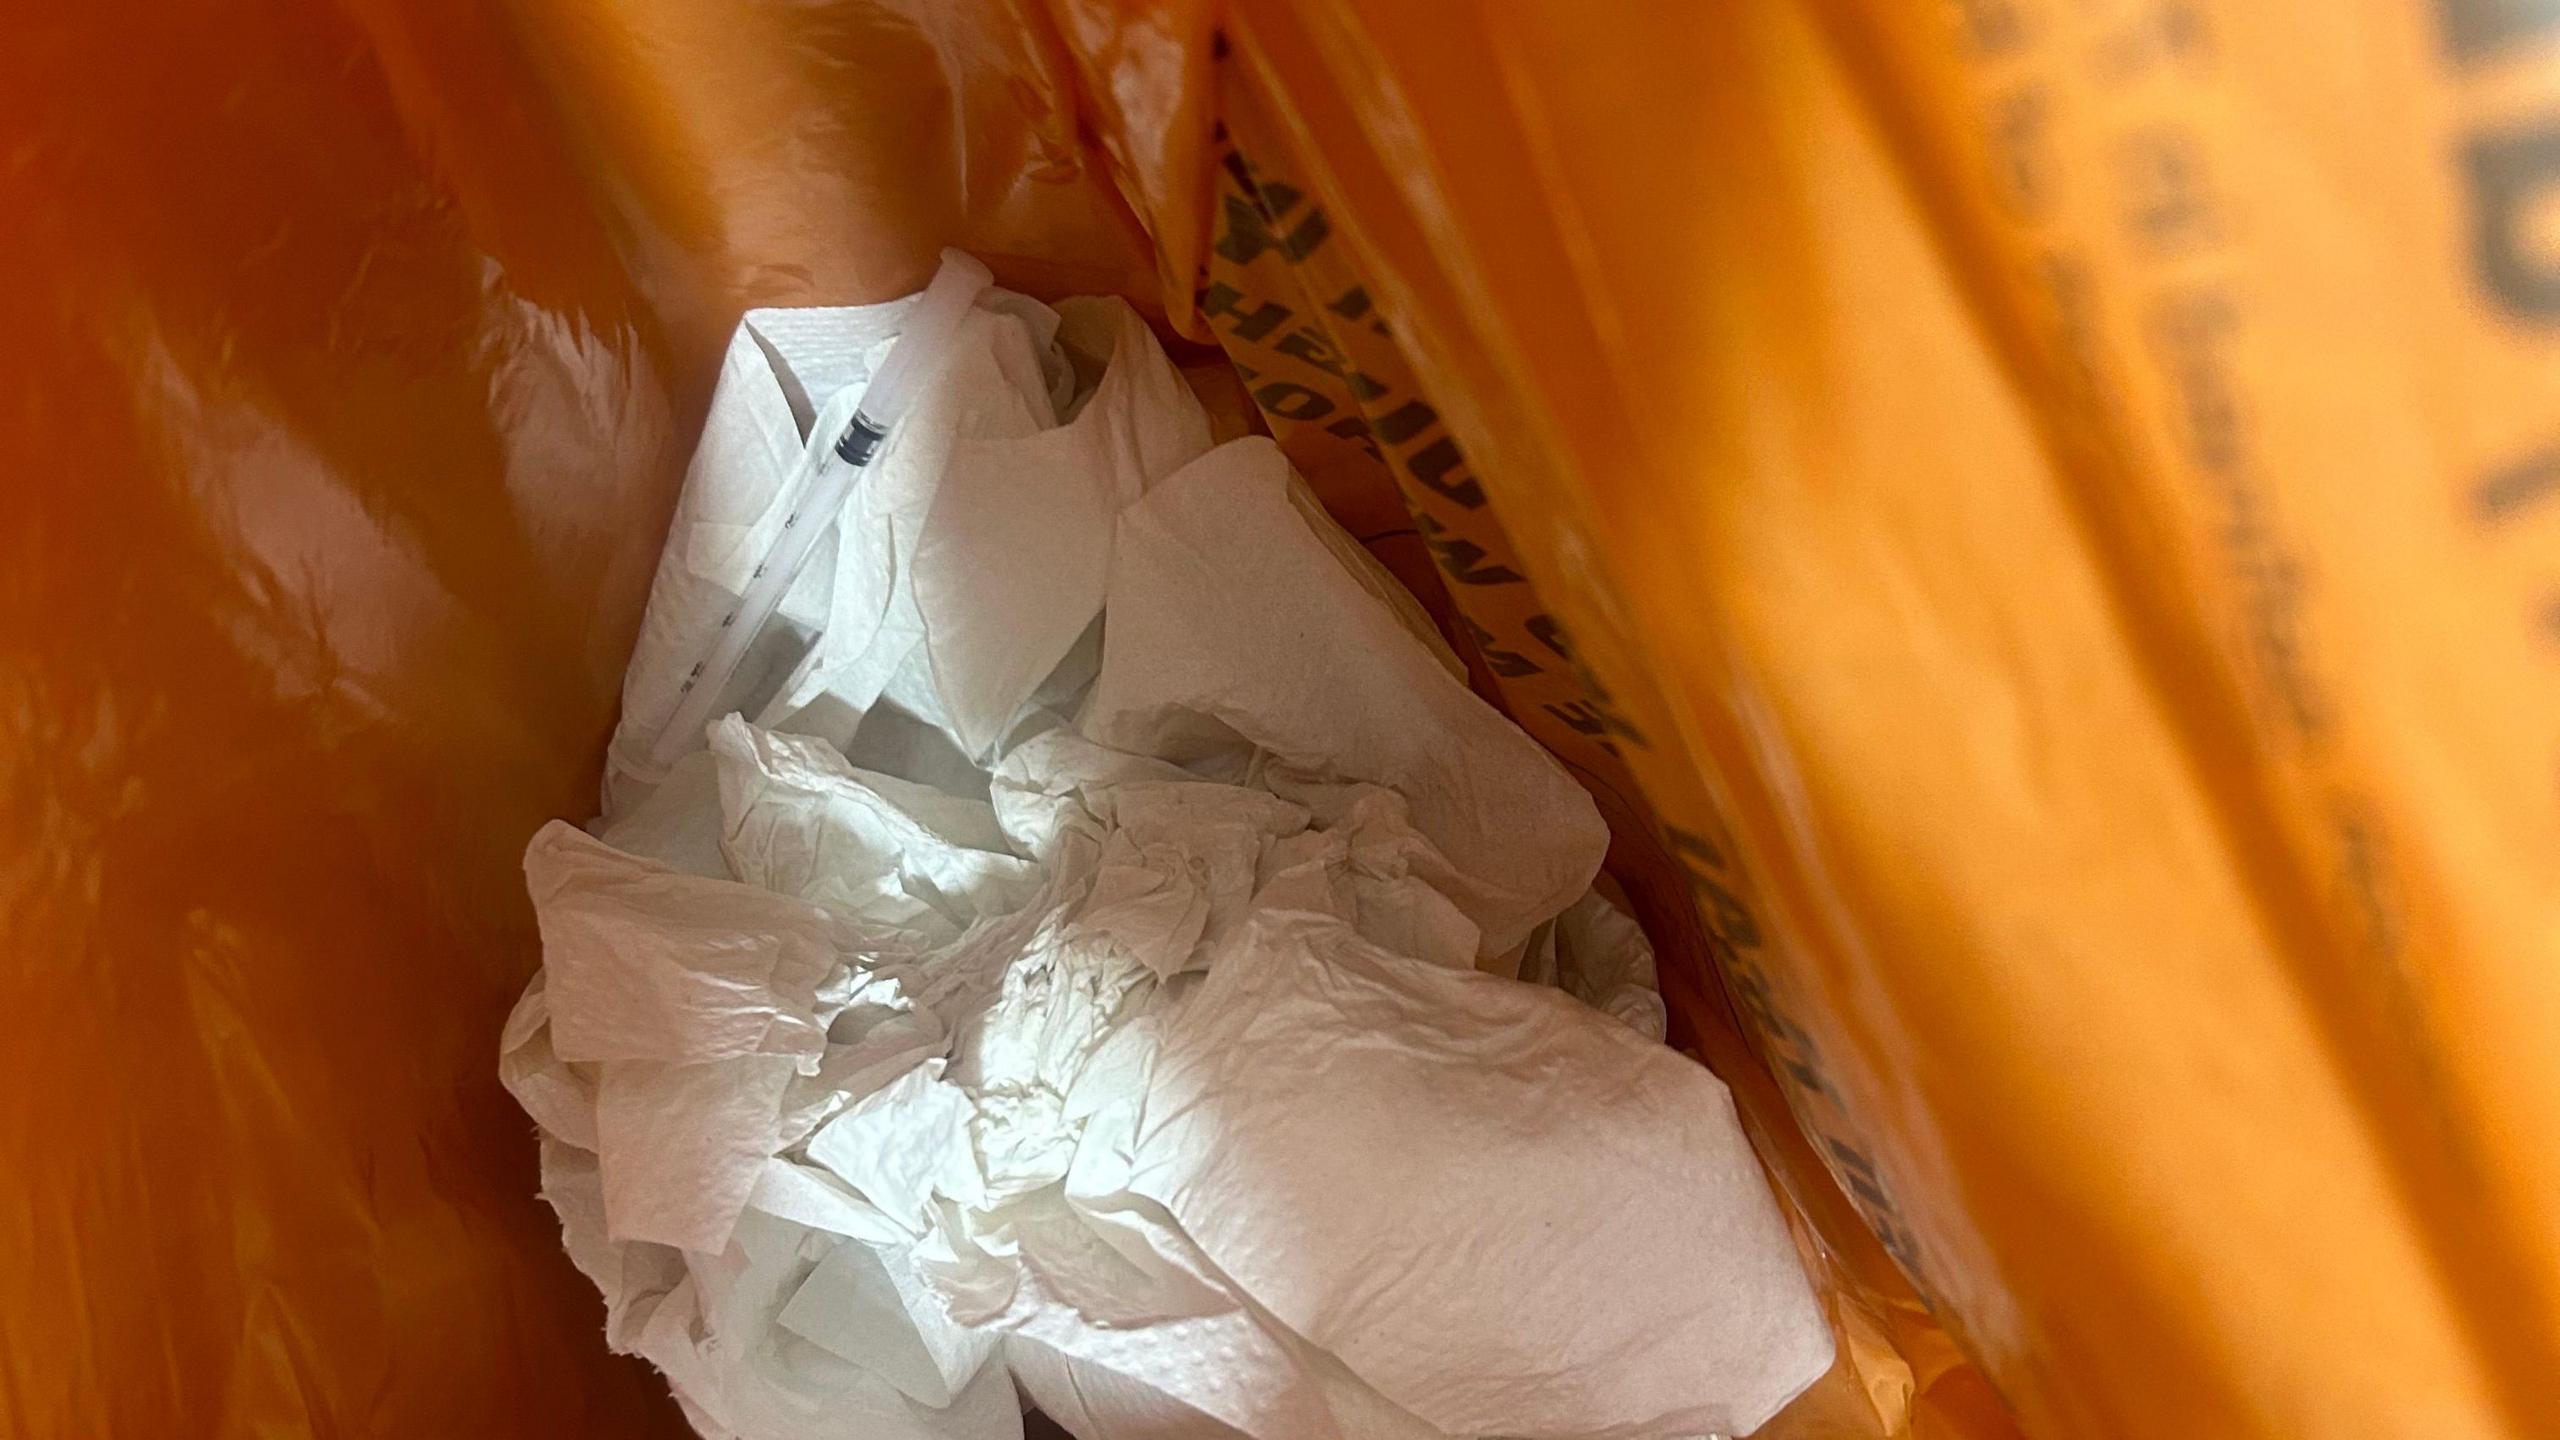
x: 1090, y: 971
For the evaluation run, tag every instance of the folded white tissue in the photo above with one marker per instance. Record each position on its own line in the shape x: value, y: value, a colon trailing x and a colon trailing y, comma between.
x: 1083, y: 982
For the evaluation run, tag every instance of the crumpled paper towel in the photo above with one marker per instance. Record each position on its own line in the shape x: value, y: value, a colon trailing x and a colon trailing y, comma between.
x: 1510, y: 1216
x: 1234, y: 636
x: 1079, y: 974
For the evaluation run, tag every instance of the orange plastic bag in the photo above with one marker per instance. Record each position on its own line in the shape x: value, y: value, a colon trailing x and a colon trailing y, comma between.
x: 2058, y: 490
x: 2032, y: 517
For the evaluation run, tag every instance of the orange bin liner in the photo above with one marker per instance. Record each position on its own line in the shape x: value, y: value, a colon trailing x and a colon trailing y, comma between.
x: 2039, y: 520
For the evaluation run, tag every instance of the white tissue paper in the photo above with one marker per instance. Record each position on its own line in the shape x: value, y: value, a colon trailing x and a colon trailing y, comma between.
x: 907, y: 863
x: 1235, y: 636
x: 1073, y: 969
x: 1263, y: 1136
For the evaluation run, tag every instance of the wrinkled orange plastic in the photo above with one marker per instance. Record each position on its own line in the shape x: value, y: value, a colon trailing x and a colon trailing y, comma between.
x: 353, y: 355
x: 2071, y: 489
x: 2054, y: 484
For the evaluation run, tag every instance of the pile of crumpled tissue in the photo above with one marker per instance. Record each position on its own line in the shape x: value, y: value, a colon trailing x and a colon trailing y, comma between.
x: 1088, y: 978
